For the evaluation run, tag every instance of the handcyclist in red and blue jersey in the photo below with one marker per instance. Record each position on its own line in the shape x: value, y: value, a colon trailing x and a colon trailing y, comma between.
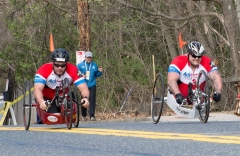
x: 50, y: 75
x: 184, y: 70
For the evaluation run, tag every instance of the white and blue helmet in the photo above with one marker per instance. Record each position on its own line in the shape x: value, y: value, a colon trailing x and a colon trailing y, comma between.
x: 195, y: 48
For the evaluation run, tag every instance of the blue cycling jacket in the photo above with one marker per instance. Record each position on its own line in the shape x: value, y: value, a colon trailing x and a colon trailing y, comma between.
x: 94, y: 72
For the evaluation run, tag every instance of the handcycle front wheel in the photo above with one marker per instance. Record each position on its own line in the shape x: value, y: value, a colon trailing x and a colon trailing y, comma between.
x: 27, y: 104
x: 68, y: 104
x: 204, y: 104
x: 157, y: 98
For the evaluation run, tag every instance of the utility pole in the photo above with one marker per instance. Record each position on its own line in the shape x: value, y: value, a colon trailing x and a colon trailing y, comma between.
x: 84, y: 28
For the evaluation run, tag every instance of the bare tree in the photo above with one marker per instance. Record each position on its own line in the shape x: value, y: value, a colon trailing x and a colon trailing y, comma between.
x: 84, y: 28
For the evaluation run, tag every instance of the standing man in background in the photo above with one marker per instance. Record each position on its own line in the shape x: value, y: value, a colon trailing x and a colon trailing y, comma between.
x: 90, y: 72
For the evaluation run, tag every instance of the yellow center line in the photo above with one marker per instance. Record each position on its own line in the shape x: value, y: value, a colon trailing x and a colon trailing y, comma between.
x: 139, y: 134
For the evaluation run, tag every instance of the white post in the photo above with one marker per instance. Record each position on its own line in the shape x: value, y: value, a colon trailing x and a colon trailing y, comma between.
x: 13, y: 116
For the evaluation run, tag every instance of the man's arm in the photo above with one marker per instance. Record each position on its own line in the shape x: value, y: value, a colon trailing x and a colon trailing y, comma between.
x: 83, y: 88
x: 38, y: 88
x: 99, y: 71
x: 217, y: 80
x: 172, y: 79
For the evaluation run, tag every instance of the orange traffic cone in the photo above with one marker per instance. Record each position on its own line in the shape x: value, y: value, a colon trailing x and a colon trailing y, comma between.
x: 51, y: 43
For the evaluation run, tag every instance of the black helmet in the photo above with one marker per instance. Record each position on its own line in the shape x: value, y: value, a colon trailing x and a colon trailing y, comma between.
x: 195, y: 48
x: 60, y: 55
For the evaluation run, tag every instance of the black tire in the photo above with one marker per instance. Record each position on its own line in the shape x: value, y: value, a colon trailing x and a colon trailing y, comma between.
x: 68, y: 104
x: 27, y: 104
x: 77, y: 103
x: 204, y: 105
x: 157, y: 98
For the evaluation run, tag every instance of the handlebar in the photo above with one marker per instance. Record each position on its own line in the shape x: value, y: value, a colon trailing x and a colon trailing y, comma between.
x: 184, y: 102
x: 48, y: 104
x: 83, y: 102
x: 78, y: 102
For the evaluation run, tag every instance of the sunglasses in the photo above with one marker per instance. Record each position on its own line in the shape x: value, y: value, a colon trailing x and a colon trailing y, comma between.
x: 59, y: 65
x: 194, y: 56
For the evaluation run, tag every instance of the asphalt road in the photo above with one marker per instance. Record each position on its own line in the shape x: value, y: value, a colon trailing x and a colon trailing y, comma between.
x: 173, y: 135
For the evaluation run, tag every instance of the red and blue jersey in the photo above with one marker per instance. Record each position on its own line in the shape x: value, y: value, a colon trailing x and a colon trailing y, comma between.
x: 181, y: 65
x: 47, y: 76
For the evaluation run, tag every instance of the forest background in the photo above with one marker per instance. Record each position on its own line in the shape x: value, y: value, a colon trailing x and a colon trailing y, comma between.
x: 125, y: 34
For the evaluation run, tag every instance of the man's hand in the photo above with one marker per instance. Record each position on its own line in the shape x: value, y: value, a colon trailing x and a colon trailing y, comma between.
x: 179, y: 98
x: 85, y: 102
x: 43, y: 106
x: 216, y: 96
x: 100, y: 69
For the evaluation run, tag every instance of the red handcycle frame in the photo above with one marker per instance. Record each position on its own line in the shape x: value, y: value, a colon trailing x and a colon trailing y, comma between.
x: 69, y: 112
x: 55, y: 118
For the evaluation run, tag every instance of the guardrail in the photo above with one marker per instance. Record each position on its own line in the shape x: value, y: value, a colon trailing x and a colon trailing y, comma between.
x: 6, y: 105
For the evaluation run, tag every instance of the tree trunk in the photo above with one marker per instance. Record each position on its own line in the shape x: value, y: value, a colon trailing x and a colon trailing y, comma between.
x: 232, y: 28
x: 238, y: 10
x: 84, y: 28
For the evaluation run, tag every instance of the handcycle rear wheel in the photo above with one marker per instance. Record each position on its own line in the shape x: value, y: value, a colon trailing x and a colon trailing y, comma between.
x: 204, y: 98
x: 157, y: 98
x: 68, y: 105
x: 27, y: 104
x: 77, y: 107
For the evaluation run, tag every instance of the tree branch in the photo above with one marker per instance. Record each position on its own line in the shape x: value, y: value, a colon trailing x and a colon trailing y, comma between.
x: 219, y: 16
x: 64, y: 10
x: 22, y: 6
x: 170, y: 17
x: 7, y: 64
x: 215, y: 31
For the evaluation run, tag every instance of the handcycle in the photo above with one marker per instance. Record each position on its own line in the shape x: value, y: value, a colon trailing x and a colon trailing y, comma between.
x: 69, y: 106
x: 198, y: 98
